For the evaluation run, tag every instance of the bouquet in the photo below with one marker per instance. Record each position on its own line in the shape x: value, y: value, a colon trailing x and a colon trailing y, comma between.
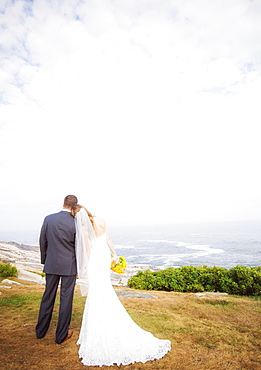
x: 119, y: 266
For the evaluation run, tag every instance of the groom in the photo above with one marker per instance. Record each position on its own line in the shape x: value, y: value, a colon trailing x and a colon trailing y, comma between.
x: 57, y: 246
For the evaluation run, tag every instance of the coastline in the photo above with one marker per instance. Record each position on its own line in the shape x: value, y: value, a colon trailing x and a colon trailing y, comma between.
x: 26, y: 259
x: 225, y: 244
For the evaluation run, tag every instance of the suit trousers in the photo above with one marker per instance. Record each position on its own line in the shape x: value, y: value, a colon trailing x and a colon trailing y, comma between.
x: 47, y: 304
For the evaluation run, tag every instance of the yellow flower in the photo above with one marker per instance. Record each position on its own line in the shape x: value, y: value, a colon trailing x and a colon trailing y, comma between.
x: 119, y: 266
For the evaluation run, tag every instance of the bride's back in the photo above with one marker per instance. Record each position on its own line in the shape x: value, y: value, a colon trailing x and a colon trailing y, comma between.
x: 99, y: 226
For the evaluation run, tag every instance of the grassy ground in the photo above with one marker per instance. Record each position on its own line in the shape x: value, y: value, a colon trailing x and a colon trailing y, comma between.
x: 206, y: 333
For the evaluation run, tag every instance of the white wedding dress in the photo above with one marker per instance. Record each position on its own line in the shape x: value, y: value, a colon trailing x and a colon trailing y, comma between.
x: 108, y: 335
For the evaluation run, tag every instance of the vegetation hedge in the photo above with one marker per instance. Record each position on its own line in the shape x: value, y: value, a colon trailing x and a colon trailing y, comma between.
x: 7, y: 270
x: 239, y: 280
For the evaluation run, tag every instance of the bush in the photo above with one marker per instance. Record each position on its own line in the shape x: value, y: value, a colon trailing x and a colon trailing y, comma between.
x: 239, y: 280
x: 213, y: 278
x: 247, y: 281
x: 7, y: 270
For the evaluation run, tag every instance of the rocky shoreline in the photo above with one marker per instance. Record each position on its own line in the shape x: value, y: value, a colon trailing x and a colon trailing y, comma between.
x: 26, y: 259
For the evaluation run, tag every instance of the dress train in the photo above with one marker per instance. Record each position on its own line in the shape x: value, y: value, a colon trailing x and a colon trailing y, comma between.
x: 108, y: 334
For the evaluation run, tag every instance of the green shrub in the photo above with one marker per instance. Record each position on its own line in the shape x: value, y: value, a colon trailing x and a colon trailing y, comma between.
x: 239, y: 280
x: 7, y: 270
x: 247, y: 280
x: 213, y: 279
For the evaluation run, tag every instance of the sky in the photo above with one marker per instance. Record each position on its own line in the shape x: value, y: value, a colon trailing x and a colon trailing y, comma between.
x: 147, y: 110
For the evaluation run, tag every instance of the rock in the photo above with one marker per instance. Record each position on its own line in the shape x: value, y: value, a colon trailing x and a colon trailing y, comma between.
x: 133, y: 294
x: 26, y: 255
x: 26, y: 258
x: 30, y: 276
x: 5, y: 287
x: 7, y: 281
x: 215, y: 294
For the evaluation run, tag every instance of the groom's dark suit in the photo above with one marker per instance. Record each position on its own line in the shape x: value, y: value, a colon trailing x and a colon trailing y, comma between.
x: 57, y: 245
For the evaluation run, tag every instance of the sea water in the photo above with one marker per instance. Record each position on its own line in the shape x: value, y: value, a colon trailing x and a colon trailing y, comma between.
x: 224, y: 244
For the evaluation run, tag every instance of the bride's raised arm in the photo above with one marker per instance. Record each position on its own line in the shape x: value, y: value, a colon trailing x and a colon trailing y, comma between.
x: 110, y: 244
x: 102, y: 225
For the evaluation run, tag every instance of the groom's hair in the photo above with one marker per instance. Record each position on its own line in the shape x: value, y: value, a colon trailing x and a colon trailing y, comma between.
x: 70, y: 201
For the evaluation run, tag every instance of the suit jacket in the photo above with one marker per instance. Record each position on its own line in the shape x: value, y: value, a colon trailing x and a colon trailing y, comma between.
x: 57, y: 244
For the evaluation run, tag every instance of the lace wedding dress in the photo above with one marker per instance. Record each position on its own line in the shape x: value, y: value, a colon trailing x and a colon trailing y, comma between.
x: 108, y: 335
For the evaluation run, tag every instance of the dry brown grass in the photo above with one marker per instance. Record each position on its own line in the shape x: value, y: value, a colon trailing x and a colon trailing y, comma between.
x: 206, y: 333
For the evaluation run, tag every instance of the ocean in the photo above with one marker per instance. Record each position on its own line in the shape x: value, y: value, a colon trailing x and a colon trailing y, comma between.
x: 223, y: 244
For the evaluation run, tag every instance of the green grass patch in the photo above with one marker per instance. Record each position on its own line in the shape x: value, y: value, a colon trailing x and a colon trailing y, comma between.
x: 38, y: 273
x: 7, y: 270
x: 20, y: 300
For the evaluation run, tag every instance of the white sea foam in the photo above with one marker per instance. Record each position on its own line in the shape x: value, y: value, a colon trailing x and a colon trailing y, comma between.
x: 118, y: 246
x: 206, y: 249
x: 170, y: 259
x: 176, y: 243
x: 157, y: 241
x: 182, y: 244
x: 198, y: 246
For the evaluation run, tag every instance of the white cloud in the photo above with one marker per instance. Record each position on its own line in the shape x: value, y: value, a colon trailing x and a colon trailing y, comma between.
x: 146, y: 110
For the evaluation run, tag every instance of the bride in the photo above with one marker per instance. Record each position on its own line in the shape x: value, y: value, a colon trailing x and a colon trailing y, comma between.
x: 108, y: 335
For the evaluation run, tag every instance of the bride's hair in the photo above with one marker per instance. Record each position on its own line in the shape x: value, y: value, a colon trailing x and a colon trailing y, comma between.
x: 76, y: 208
